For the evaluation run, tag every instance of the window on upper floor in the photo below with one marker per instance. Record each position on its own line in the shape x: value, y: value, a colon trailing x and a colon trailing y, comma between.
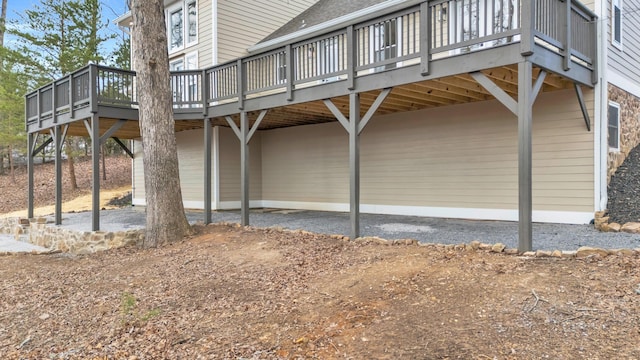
x: 616, y: 23
x: 385, y: 42
x: 182, y: 25
x: 614, y: 126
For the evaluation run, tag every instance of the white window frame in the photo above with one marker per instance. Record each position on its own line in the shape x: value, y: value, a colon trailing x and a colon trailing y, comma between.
x: 378, y: 47
x: 182, y: 6
x: 617, y: 126
x: 616, y: 4
x: 189, y: 65
x: 174, y: 62
x: 170, y: 10
x: 187, y: 28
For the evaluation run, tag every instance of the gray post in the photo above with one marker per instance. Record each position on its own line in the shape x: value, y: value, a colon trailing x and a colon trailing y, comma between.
x: 95, y: 172
x: 30, y: 145
x: 354, y: 164
x: 207, y: 170
x: 244, y: 168
x: 58, y: 160
x: 525, y: 74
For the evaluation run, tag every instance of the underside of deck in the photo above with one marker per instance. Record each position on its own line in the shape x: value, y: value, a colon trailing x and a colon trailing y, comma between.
x: 288, y: 86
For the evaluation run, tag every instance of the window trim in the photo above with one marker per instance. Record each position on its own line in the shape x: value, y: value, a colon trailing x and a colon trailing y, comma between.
x: 176, y: 61
x: 193, y: 54
x: 184, y: 7
x: 613, y: 104
x: 168, y: 12
x: 195, y: 41
x: 615, y: 42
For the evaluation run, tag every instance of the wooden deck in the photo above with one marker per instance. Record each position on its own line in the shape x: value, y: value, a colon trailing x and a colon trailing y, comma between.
x: 419, y: 55
x: 430, y: 67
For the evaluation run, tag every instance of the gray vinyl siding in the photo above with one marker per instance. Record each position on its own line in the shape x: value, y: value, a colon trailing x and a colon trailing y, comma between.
x: 626, y: 62
x: 242, y: 23
x: 229, y: 165
x: 461, y: 156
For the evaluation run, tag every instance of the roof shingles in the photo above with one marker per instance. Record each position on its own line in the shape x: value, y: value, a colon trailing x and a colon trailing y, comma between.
x: 320, y: 12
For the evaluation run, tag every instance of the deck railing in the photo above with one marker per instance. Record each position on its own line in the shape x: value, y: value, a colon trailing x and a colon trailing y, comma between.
x: 419, y: 34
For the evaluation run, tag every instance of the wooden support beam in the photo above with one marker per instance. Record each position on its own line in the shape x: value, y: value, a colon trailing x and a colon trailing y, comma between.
x: 233, y: 126
x: 525, y: 184
x: 256, y: 124
x: 112, y: 130
x: 496, y: 91
x: 583, y: 106
x: 372, y: 110
x: 123, y: 146
x: 95, y: 172
x: 336, y: 112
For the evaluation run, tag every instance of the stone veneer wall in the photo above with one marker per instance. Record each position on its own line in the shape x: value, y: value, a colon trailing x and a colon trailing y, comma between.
x: 38, y: 232
x: 629, y: 127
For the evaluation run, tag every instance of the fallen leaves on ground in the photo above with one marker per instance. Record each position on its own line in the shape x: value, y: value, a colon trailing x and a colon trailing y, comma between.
x: 14, y: 194
x: 234, y: 293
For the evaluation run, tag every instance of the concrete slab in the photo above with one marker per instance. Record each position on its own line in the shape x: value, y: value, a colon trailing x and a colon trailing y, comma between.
x: 9, y: 244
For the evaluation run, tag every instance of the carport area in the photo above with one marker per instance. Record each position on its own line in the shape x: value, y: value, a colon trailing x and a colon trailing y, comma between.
x: 391, y: 227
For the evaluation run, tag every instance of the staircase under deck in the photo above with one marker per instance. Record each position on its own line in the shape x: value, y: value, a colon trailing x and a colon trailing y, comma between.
x: 431, y: 66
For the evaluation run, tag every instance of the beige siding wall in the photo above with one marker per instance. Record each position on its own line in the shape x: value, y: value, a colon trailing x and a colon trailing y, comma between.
x: 229, y: 153
x: 445, y: 157
x: 205, y: 34
x: 138, y: 173
x: 243, y: 23
x: 190, y: 158
x: 204, y: 46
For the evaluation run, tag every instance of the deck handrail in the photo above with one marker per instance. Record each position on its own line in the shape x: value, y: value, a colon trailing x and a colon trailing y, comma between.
x: 385, y: 41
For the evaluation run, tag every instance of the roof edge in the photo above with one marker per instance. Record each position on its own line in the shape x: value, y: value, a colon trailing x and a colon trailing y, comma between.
x: 371, y: 12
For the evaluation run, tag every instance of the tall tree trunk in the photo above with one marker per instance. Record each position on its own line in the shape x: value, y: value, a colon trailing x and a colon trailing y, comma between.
x: 11, y: 169
x: 1, y: 161
x: 166, y: 221
x: 71, y: 149
x: 3, y: 20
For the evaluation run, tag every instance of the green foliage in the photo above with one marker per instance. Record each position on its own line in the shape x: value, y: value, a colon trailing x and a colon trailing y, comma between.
x: 129, y: 311
x: 60, y: 36
x: 13, y: 86
x: 121, y: 56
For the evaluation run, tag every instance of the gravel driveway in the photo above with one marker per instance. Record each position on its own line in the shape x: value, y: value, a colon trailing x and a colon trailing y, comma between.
x: 433, y: 230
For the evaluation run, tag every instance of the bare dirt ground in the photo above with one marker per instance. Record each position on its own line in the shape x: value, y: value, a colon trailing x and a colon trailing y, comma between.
x: 232, y: 293
x: 13, y: 195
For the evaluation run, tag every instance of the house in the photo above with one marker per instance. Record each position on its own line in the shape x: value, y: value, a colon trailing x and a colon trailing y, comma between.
x: 500, y: 109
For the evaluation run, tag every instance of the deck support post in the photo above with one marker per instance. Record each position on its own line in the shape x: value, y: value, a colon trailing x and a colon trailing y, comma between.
x: 525, y: 113
x: 58, y: 137
x: 95, y: 172
x: 207, y: 170
x: 244, y: 168
x: 523, y: 109
x: 31, y: 142
x: 354, y: 165
x: 244, y: 134
x: 354, y: 126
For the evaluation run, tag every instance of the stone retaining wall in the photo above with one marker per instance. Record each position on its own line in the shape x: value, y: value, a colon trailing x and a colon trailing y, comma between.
x: 629, y: 127
x: 39, y: 232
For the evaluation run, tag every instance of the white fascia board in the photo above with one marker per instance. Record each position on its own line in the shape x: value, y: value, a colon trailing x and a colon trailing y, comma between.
x: 334, y: 24
x: 125, y: 20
